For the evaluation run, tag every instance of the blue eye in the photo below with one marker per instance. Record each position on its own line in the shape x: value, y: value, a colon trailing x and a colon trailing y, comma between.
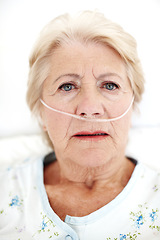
x: 110, y: 86
x: 67, y: 87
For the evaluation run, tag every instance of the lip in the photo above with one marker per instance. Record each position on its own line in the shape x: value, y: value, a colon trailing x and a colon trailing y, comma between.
x: 91, y: 136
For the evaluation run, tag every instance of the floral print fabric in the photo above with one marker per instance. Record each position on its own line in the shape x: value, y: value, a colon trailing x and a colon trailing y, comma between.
x: 25, y: 213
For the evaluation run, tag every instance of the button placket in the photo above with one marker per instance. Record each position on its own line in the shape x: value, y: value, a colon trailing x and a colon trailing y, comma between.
x: 68, y: 237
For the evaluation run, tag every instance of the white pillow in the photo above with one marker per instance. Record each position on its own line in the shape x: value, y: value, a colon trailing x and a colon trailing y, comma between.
x: 144, y: 145
x: 15, y: 149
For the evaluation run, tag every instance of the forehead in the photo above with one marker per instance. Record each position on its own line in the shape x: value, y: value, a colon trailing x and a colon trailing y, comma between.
x: 76, y: 57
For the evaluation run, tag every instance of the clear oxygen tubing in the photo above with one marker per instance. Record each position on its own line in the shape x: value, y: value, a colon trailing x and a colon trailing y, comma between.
x: 86, y: 118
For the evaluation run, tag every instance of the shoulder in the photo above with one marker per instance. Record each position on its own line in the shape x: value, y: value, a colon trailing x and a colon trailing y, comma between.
x: 147, y: 182
x: 153, y: 173
x: 17, y: 180
x: 19, y: 170
x: 144, y: 183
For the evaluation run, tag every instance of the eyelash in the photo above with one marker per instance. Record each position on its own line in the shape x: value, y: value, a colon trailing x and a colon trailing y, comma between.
x: 115, y: 86
x: 65, y: 84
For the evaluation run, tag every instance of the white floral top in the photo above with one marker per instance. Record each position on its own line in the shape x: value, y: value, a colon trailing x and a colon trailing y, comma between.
x: 25, y: 212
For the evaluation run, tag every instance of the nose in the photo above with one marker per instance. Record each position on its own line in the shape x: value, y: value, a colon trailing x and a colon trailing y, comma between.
x: 90, y: 105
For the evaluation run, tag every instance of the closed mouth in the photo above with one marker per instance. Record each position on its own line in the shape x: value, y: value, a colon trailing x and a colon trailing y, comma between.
x: 88, y: 135
x: 91, y: 136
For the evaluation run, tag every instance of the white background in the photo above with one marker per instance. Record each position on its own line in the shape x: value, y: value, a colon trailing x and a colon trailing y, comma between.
x: 20, y: 23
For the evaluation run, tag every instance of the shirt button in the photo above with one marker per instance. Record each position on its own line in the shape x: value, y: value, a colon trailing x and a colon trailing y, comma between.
x: 68, y: 237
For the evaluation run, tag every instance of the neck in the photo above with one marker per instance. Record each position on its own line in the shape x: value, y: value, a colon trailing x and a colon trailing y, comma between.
x: 91, y: 178
x: 92, y: 191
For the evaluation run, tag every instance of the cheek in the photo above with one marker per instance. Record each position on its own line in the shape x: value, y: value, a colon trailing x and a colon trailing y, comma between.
x: 121, y: 128
x: 56, y: 126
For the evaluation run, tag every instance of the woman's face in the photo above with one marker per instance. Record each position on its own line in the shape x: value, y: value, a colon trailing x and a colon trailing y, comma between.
x: 90, y: 81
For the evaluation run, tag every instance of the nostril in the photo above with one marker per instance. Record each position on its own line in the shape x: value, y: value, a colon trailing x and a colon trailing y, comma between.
x: 83, y: 114
x: 89, y: 115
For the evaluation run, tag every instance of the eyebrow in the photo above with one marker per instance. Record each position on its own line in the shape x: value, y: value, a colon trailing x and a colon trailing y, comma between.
x: 73, y: 75
x: 77, y: 76
x: 110, y: 74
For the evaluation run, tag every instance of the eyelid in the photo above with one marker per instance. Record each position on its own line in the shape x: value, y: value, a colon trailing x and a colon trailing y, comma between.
x: 100, y: 83
x: 111, y: 82
x: 75, y: 85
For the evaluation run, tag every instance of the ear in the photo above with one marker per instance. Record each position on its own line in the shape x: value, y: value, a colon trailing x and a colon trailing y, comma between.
x: 44, y: 127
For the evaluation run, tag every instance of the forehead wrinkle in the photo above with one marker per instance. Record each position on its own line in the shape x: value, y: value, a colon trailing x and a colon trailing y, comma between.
x: 113, y: 74
x: 107, y: 74
x: 71, y: 75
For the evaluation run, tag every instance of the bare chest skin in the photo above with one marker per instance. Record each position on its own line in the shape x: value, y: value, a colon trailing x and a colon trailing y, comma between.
x: 77, y: 199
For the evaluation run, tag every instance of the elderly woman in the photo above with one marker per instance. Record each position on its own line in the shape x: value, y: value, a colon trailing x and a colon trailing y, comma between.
x: 84, y: 83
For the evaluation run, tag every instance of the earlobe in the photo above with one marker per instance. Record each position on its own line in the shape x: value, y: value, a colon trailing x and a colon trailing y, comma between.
x: 42, y: 123
x: 44, y: 128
